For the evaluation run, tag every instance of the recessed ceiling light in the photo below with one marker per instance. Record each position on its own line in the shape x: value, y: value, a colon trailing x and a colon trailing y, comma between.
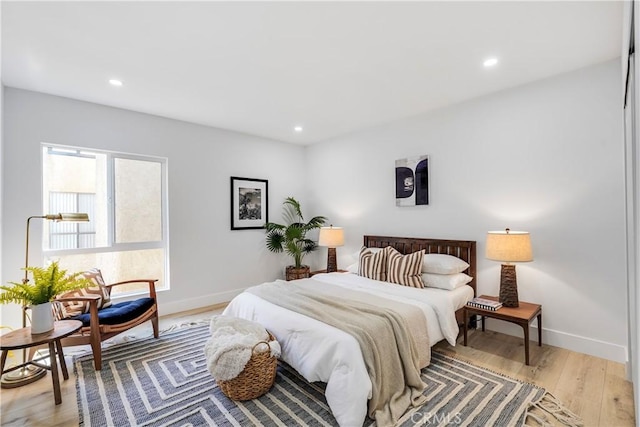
x: 298, y: 128
x: 115, y: 82
x: 490, y: 62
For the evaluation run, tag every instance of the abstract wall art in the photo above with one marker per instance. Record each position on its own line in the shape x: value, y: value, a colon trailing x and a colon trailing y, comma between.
x: 412, y: 181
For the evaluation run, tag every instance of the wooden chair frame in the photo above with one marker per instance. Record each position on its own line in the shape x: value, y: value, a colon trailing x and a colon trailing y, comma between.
x: 95, y: 333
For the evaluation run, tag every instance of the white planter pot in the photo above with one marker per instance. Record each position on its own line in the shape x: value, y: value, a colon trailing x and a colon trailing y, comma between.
x: 41, y: 318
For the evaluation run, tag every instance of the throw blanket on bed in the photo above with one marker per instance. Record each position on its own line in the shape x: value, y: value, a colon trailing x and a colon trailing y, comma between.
x: 382, y: 329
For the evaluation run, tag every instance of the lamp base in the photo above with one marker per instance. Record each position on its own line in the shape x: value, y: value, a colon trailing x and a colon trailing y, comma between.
x: 508, y: 286
x: 332, y: 263
x: 23, y: 376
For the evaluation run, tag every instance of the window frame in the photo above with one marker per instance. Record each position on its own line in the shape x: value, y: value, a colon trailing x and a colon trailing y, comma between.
x: 112, y: 245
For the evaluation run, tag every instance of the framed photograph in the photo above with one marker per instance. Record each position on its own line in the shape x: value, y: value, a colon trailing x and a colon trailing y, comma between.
x: 249, y: 203
x: 412, y: 181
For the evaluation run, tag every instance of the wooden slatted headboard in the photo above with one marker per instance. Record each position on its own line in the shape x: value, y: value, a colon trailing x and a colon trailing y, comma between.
x: 463, y: 249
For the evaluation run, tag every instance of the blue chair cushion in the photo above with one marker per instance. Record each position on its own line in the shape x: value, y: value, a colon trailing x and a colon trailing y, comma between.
x: 118, y: 313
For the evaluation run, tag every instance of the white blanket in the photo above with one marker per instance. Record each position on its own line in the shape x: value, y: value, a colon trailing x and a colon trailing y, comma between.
x: 320, y: 352
x: 231, y: 344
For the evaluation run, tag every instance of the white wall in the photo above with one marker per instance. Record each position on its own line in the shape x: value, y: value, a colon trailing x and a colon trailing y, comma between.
x: 546, y: 157
x: 209, y: 263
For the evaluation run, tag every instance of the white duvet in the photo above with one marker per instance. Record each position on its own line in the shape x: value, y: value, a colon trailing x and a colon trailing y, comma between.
x: 320, y: 352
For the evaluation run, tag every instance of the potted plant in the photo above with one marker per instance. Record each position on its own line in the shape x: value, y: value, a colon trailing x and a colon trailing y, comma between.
x: 47, y: 283
x: 291, y: 237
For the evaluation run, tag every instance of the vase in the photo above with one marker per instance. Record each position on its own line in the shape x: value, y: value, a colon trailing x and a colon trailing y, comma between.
x: 41, y: 318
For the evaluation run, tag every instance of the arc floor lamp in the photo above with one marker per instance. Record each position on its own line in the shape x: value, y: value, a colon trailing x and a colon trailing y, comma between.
x: 30, y: 373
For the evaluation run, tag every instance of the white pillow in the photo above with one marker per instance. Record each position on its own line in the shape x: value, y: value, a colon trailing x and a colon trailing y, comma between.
x: 353, y: 268
x: 445, y: 281
x: 443, y: 264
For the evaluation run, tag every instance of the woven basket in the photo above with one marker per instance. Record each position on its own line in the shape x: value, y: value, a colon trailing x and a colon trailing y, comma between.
x: 256, y: 378
x: 293, y: 273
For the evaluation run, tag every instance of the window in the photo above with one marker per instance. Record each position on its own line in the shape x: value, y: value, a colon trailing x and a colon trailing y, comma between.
x: 72, y: 235
x: 125, y: 197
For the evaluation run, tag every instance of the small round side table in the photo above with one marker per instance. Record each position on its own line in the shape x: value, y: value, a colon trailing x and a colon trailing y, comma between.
x: 22, y: 338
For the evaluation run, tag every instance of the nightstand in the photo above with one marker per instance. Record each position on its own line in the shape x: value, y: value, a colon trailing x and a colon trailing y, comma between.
x: 522, y: 315
x: 324, y: 271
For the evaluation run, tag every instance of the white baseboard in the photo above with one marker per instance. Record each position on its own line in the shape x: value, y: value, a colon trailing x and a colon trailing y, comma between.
x: 171, y: 307
x: 591, y: 346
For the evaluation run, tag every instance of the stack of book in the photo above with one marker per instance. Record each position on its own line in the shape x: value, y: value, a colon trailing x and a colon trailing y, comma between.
x: 485, y: 304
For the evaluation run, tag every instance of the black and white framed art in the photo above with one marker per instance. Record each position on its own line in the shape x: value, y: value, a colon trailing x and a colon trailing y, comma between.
x: 249, y: 203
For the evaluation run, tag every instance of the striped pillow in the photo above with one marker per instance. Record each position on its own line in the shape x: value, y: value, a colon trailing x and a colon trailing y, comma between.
x: 405, y: 270
x: 372, y: 265
x: 68, y: 309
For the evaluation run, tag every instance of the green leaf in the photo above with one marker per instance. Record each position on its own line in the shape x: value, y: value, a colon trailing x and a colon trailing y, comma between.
x: 293, y: 206
x: 270, y: 226
x: 309, y: 246
x: 46, y: 285
x: 275, y: 240
x: 316, y: 222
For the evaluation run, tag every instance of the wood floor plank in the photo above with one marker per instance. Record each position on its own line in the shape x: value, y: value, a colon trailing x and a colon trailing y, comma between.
x: 580, y: 386
x: 617, y: 400
x: 546, y: 367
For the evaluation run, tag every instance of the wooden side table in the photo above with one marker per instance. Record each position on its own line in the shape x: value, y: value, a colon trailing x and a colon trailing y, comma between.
x: 522, y: 315
x: 22, y: 338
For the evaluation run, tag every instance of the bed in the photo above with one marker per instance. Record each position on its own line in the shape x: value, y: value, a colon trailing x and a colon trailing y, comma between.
x: 320, y: 352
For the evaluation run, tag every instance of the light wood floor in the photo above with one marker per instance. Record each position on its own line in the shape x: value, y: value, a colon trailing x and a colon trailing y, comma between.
x: 591, y: 387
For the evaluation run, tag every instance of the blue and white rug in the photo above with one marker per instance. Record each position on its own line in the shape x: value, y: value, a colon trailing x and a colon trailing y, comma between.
x: 165, y: 382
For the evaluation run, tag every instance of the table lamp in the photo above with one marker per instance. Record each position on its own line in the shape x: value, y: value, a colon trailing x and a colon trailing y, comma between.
x: 509, y: 246
x: 331, y: 237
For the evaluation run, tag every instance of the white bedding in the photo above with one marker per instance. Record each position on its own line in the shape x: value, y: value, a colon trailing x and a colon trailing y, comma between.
x: 320, y: 352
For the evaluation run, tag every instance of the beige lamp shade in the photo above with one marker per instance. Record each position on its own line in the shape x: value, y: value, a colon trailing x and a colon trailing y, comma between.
x: 331, y: 237
x: 509, y: 246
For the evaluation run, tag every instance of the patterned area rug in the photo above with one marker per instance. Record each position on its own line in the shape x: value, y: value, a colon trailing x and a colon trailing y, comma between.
x: 160, y: 382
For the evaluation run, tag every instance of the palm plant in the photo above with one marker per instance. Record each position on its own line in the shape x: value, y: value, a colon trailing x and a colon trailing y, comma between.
x: 291, y: 237
x: 47, y: 284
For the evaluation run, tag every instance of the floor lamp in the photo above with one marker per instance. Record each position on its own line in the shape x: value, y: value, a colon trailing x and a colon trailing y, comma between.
x: 30, y: 373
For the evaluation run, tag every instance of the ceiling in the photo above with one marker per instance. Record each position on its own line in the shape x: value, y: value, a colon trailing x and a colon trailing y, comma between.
x: 264, y: 67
